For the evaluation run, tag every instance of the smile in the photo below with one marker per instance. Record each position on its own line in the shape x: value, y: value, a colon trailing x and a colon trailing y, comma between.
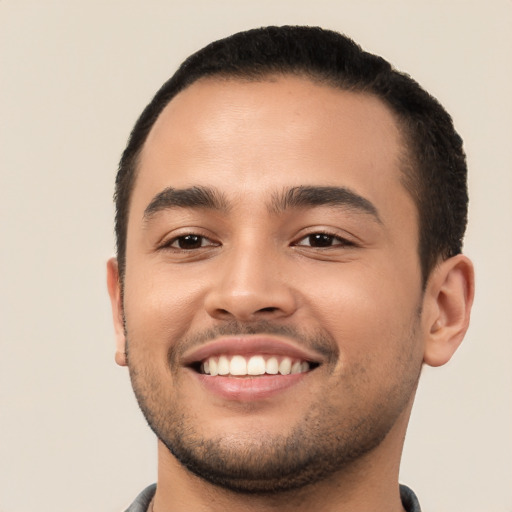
x: 240, y: 366
x: 247, y: 368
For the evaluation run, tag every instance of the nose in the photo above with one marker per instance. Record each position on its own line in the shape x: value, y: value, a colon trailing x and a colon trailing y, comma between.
x: 252, y: 284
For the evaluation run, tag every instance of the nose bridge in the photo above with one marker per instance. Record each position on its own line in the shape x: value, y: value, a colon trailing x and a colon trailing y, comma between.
x: 251, y: 281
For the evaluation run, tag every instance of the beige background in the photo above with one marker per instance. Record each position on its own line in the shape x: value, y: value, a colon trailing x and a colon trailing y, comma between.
x: 73, y: 77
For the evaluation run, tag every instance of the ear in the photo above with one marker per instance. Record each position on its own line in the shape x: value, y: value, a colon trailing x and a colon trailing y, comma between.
x: 447, y: 306
x: 114, y: 290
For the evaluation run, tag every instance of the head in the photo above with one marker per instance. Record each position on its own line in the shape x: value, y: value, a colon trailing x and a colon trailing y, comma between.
x: 433, y: 166
x: 287, y: 200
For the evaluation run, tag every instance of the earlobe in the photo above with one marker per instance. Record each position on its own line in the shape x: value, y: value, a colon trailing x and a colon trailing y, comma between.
x: 448, y: 300
x: 114, y: 291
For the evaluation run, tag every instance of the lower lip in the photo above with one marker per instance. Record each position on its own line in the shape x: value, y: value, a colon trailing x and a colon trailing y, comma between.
x: 249, y: 388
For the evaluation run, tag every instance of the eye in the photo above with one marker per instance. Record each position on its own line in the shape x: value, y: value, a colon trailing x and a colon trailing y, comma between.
x: 321, y: 240
x: 190, y: 242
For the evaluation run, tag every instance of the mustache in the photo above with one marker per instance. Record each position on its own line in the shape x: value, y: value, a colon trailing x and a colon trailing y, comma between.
x: 318, y: 341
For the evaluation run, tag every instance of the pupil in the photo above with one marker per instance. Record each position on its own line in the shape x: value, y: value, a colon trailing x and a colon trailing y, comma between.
x: 320, y: 240
x: 190, y: 242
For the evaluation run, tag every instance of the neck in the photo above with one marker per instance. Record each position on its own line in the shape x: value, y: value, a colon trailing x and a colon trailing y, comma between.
x: 370, y: 483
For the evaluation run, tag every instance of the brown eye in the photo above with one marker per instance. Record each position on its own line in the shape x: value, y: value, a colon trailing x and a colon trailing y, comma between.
x: 190, y: 242
x: 321, y: 240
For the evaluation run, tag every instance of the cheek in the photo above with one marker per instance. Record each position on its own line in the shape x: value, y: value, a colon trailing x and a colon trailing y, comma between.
x: 375, y: 324
x: 159, y: 307
x: 365, y: 311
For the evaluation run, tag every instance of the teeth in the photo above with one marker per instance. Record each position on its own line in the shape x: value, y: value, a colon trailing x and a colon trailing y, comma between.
x: 285, y: 366
x: 238, y: 366
x: 296, y: 367
x: 214, y: 366
x: 272, y: 366
x: 223, y: 367
x: 256, y: 365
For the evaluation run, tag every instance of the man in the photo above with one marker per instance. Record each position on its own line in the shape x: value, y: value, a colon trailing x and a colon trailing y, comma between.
x: 290, y: 215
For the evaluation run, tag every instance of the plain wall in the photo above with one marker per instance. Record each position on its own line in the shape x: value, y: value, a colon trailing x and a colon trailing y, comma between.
x: 74, y: 75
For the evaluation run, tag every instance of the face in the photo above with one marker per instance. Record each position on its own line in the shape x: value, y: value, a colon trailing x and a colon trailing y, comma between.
x: 272, y: 295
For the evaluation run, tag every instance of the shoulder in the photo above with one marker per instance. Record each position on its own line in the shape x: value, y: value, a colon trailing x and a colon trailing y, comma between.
x: 142, y: 501
x: 409, y: 499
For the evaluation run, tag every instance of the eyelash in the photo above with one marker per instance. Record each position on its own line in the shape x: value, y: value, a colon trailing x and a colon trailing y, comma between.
x: 205, y: 242
x: 341, y: 242
x: 176, y: 240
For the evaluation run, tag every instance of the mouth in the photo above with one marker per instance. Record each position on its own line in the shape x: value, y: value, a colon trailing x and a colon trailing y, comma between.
x: 251, y: 366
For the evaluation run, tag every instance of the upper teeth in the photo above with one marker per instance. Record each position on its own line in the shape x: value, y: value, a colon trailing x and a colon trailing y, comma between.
x: 254, y: 365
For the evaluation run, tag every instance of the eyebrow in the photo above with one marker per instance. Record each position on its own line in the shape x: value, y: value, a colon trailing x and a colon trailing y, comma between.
x: 295, y: 197
x: 192, y: 197
x: 314, y: 196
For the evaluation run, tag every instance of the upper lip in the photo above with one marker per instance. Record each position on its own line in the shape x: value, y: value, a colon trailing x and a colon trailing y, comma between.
x: 250, y: 345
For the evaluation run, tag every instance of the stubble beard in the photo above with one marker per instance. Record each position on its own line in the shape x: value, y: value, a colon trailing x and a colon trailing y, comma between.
x: 260, y: 462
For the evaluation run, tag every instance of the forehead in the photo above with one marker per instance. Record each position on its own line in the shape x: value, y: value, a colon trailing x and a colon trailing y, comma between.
x: 260, y: 136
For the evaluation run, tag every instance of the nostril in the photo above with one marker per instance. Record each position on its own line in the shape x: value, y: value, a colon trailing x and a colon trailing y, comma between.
x: 267, y: 310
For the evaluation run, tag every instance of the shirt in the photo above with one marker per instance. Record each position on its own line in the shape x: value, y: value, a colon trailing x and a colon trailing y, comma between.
x: 141, y: 503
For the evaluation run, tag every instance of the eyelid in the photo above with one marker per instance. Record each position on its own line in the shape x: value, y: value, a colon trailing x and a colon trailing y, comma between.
x: 345, y: 239
x: 202, y: 245
x: 168, y: 241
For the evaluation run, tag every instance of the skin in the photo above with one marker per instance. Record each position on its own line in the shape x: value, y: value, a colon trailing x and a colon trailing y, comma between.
x: 358, y: 303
